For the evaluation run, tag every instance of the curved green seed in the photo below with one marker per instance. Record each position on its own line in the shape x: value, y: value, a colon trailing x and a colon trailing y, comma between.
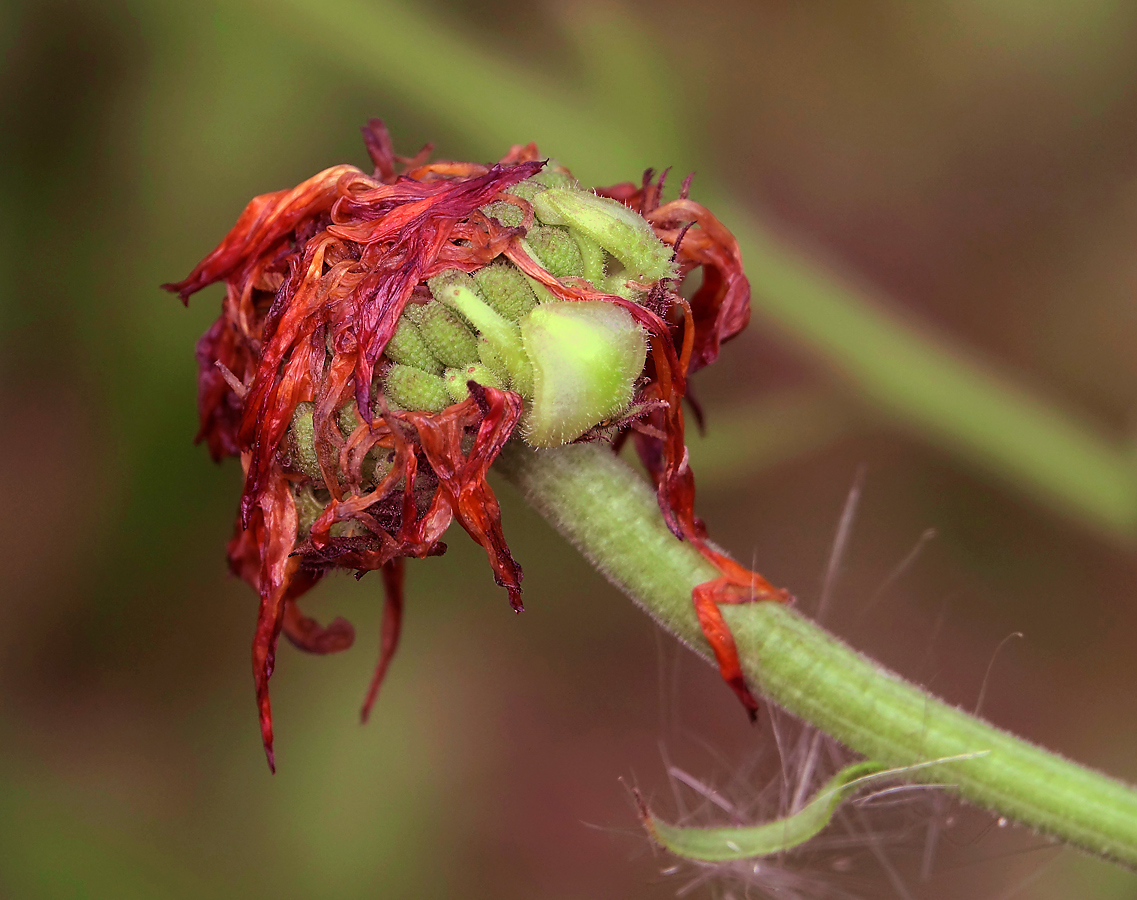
x: 347, y: 417
x: 556, y: 250
x: 619, y: 230
x: 586, y: 358
x: 506, y: 213
x: 412, y: 388
x: 458, y: 290
x: 505, y: 289
x: 446, y: 336
x: 308, y: 508
x: 526, y: 190
x: 302, y: 440
x: 456, y: 380
x: 408, y: 347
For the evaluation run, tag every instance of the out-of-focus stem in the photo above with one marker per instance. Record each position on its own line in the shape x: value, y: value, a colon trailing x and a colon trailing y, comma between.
x: 604, y: 509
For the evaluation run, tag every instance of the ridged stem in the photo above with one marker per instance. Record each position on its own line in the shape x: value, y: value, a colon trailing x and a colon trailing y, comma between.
x: 610, y: 515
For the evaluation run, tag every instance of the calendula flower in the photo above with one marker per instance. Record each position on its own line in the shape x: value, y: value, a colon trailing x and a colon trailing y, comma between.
x: 383, y: 336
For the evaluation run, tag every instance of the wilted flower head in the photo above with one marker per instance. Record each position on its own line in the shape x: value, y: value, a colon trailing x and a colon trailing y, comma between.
x: 383, y: 336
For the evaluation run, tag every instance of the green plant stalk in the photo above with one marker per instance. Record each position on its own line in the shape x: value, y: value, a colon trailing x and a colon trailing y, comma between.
x: 604, y: 509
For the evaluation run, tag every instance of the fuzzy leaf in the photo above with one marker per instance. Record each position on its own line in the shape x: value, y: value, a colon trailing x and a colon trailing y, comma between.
x: 722, y: 844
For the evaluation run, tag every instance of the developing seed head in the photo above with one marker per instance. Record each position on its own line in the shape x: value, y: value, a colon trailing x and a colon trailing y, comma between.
x: 384, y: 335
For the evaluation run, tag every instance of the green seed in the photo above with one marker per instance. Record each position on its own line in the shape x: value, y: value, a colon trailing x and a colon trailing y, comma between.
x: 456, y: 380
x: 556, y: 250
x: 308, y: 508
x: 506, y: 213
x: 302, y: 441
x: 408, y: 348
x: 382, y: 458
x: 413, y: 312
x: 414, y: 389
x: 526, y: 190
x: 347, y: 417
x: 447, y: 337
x: 506, y: 290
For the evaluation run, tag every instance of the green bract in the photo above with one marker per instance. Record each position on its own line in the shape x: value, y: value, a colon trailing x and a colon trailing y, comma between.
x: 574, y: 363
x: 619, y: 230
x: 586, y: 358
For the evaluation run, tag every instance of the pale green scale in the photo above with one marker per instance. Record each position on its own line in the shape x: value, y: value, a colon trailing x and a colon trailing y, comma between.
x: 492, y: 361
x: 586, y: 358
x: 592, y: 257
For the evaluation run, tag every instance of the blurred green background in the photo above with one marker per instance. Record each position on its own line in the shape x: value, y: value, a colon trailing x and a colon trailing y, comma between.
x: 938, y: 207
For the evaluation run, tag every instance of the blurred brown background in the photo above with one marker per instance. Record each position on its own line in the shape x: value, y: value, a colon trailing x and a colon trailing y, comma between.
x: 973, y: 161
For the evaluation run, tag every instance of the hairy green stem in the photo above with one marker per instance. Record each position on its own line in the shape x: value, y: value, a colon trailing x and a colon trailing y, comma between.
x: 610, y: 515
